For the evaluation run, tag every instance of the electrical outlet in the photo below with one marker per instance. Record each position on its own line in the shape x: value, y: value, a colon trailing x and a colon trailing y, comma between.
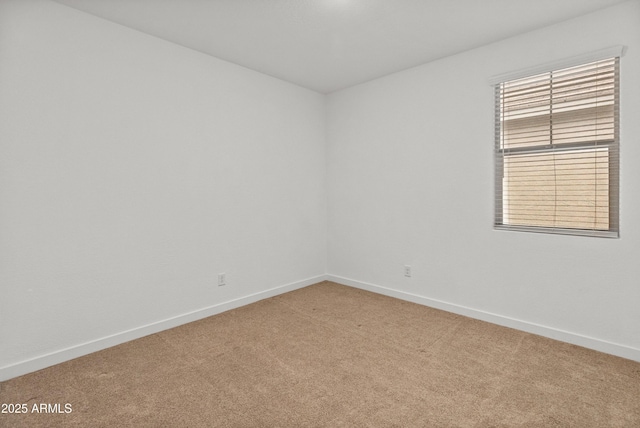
x: 222, y: 279
x: 407, y: 271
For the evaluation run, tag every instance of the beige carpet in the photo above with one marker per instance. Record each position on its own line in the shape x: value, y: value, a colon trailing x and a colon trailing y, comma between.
x: 334, y: 356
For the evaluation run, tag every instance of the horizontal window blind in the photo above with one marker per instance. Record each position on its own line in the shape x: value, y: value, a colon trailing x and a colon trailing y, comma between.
x: 557, y: 151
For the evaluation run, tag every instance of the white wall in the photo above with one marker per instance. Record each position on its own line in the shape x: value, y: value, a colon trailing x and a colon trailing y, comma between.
x: 410, y: 181
x: 132, y: 171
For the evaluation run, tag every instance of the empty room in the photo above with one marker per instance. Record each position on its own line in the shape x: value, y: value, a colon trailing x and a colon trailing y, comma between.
x: 320, y: 213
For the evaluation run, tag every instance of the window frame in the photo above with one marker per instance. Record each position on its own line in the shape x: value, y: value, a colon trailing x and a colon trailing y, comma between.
x: 612, y: 147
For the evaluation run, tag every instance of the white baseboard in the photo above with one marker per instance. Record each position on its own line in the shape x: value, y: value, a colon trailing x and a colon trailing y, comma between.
x: 550, y: 332
x: 57, y: 357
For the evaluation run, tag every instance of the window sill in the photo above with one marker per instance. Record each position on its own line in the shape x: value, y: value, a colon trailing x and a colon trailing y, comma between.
x: 560, y: 231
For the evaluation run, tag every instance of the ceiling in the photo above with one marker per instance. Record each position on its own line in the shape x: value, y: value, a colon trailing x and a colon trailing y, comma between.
x: 326, y: 45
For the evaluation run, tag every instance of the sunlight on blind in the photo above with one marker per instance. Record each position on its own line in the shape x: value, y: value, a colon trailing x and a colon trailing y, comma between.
x: 558, y: 189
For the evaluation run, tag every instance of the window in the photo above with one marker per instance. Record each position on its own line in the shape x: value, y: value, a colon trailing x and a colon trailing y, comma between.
x: 556, y: 151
